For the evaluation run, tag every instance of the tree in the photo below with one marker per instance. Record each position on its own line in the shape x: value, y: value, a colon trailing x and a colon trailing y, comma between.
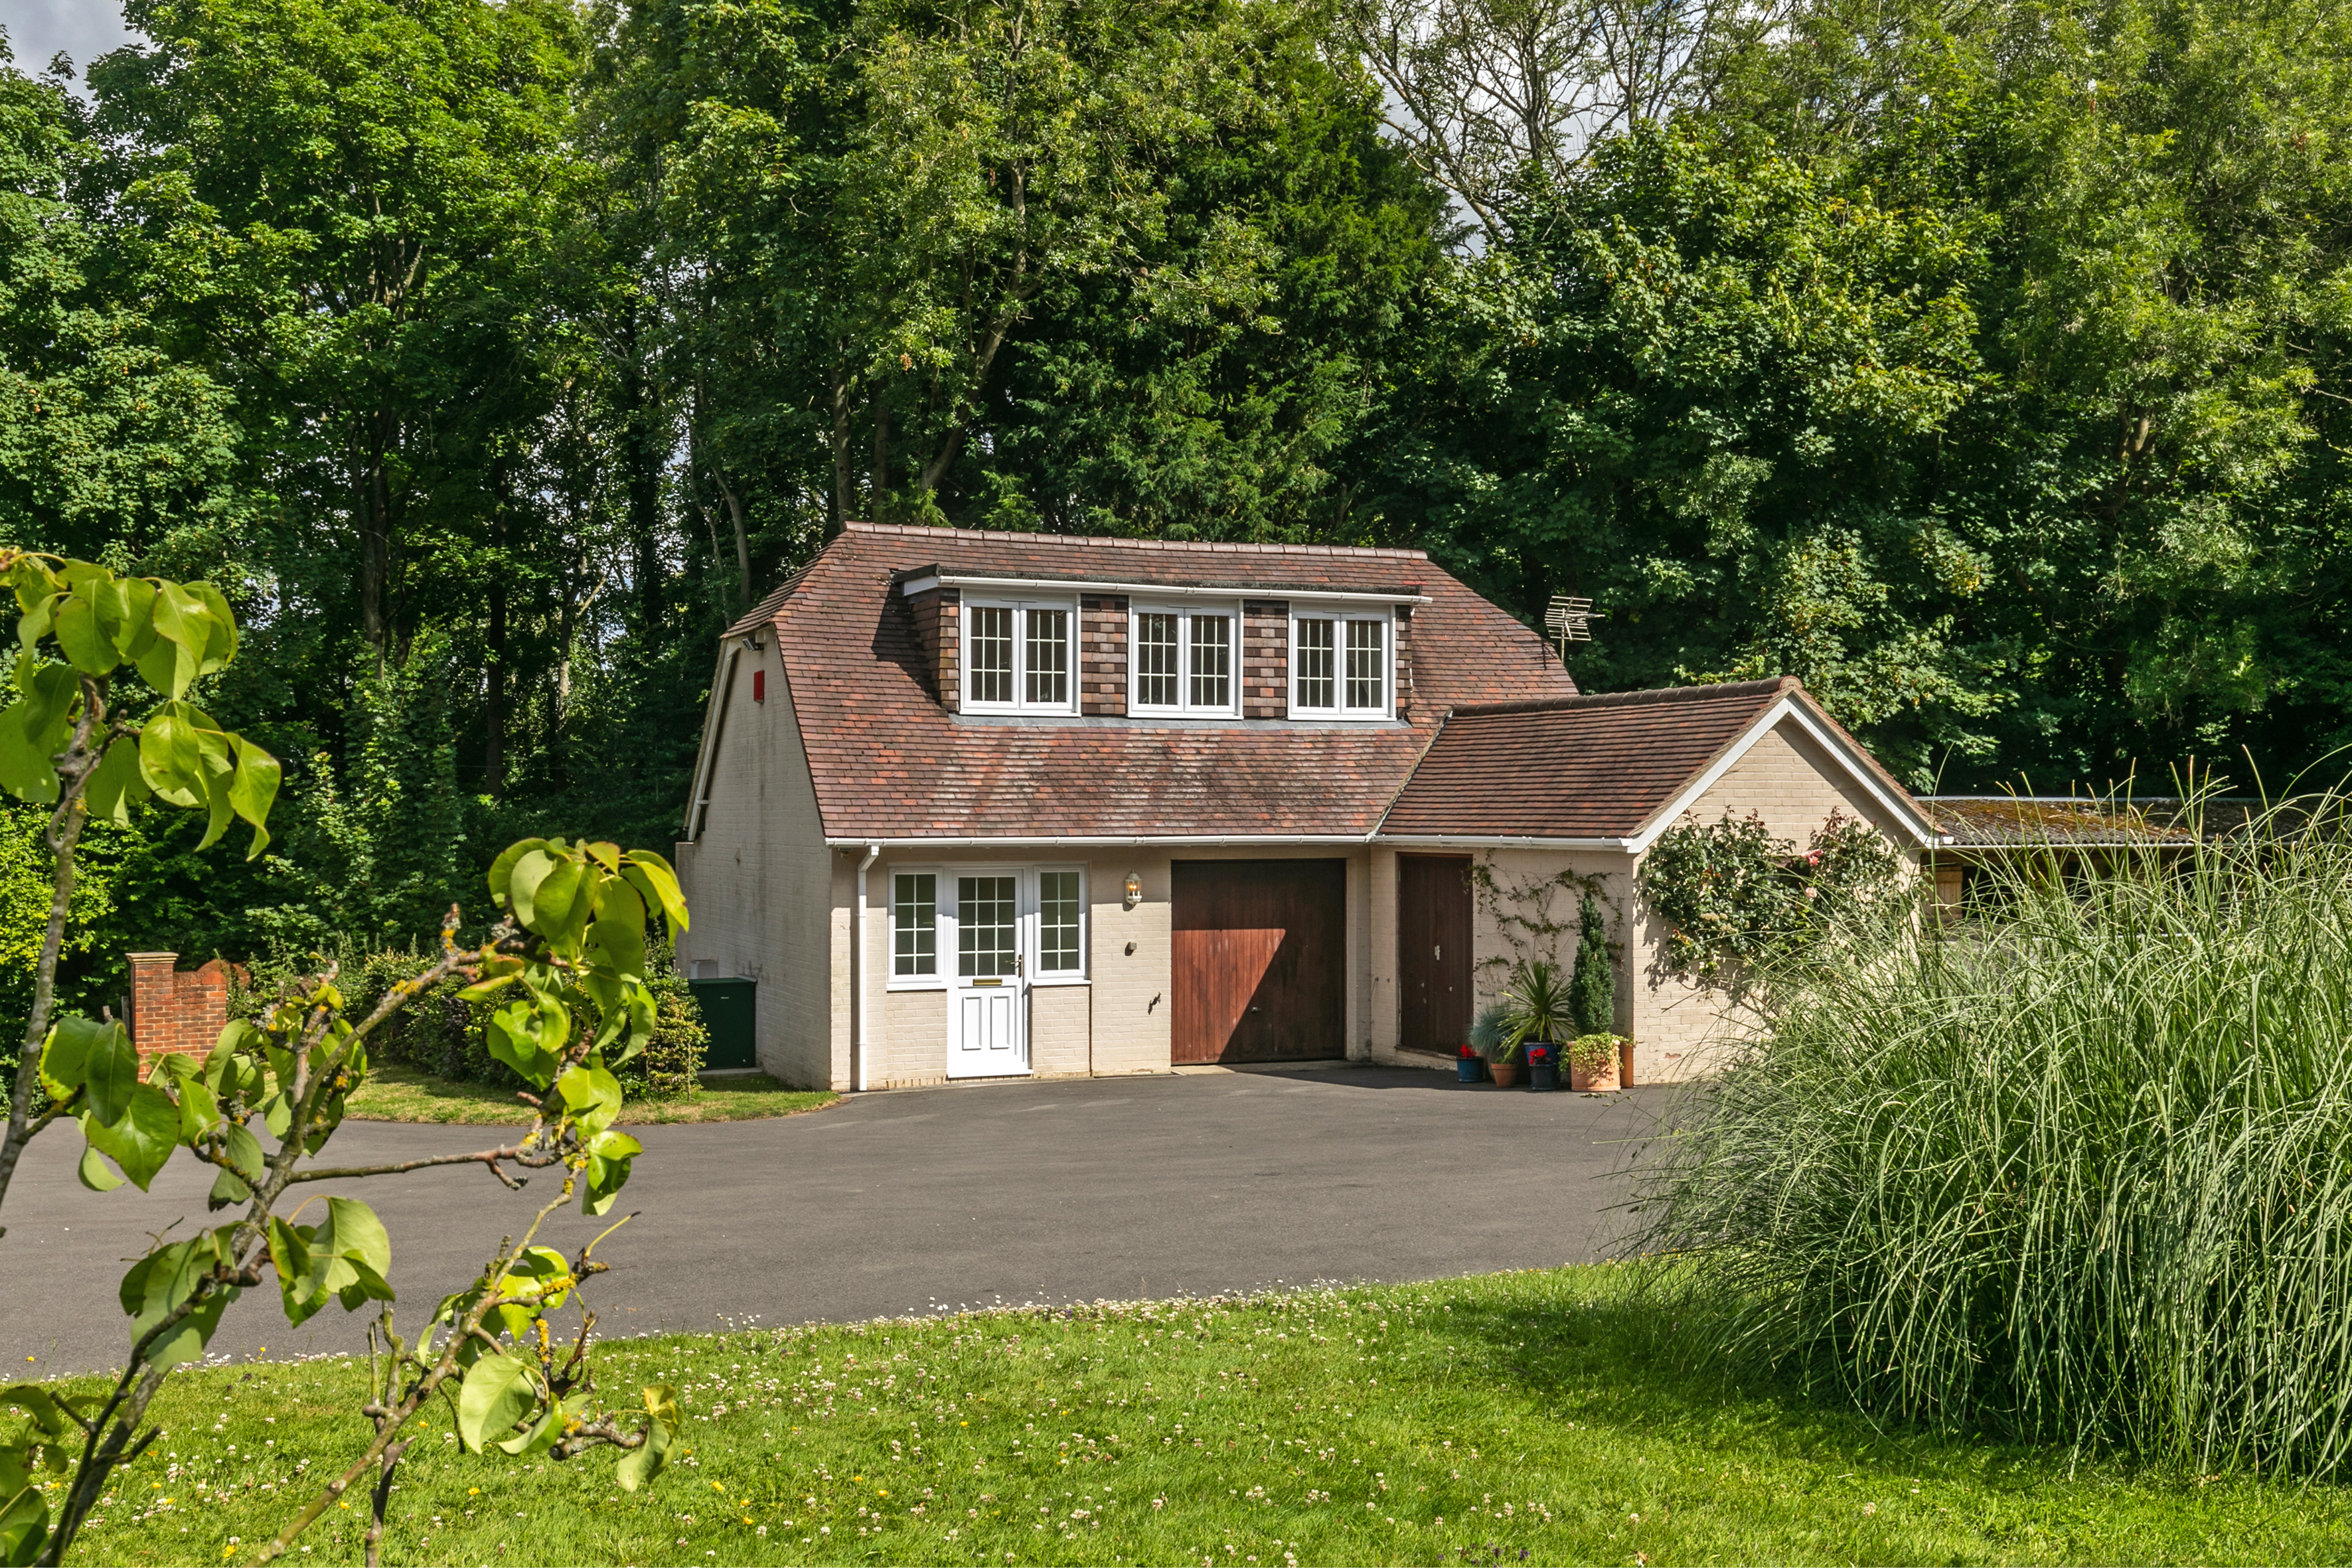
x: 572, y: 946
x: 1593, y: 985
x: 108, y: 440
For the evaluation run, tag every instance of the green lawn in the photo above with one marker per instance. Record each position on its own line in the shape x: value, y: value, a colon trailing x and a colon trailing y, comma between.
x: 403, y: 1094
x: 1531, y: 1416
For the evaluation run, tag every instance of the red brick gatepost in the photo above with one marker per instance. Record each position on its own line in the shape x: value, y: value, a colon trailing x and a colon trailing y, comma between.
x: 175, y: 1012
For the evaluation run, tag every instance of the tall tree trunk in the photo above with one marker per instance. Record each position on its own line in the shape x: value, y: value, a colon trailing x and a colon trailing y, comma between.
x: 838, y: 435
x: 375, y: 532
x: 494, y: 706
x: 878, y: 497
x: 641, y: 460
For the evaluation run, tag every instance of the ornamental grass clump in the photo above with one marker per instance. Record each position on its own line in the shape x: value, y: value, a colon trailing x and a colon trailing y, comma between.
x: 2077, y: 1167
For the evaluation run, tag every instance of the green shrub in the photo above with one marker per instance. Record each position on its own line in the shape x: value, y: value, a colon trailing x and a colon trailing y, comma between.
x: 441, y: 1033
x: 2081, y: 1174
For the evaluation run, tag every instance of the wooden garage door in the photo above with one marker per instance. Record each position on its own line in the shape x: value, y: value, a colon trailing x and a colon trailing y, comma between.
x: 1260, y: 959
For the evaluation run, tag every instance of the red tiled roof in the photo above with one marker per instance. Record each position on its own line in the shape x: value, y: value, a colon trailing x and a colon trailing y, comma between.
x: 890, y: 762
x: 1582, y: 767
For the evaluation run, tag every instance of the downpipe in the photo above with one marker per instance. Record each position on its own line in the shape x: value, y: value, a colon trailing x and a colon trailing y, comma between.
x: 857, y: 976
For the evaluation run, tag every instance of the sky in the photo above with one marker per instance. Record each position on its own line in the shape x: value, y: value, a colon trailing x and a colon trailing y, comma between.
x: 82, y: 29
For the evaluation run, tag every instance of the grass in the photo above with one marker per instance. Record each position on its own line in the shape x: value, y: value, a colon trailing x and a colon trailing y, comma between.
x: 1542, y: 1416
x: 2080, y: 1170
x: 403, y: 1094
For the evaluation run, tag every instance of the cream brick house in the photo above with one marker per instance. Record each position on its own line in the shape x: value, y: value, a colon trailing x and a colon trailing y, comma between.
x: 979, y: 804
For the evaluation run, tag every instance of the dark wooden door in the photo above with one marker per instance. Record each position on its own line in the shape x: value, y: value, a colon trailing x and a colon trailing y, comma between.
x: 1260, y: 956
x: 1434, y: 951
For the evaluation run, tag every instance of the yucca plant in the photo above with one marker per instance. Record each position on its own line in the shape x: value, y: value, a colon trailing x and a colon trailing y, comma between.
x: 1536, y: 1007
x: 2077, y: 1169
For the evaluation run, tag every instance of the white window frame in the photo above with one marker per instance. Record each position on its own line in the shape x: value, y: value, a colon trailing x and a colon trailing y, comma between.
x: 1186, y: 613
x: 1020, y: 608
x: 1339, y: 617
x: 1034, y: 937
x: 1029, y: 918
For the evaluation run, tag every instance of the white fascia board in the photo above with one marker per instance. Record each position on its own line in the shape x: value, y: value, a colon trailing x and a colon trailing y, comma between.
x: 1786, y: 708
x: 914, y: 585
x: 1498, y: 841
x: 1105, y: 841
x: 714, y: 720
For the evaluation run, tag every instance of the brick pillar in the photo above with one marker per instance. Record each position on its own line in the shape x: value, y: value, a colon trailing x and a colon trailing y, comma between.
x: 172, y: 1012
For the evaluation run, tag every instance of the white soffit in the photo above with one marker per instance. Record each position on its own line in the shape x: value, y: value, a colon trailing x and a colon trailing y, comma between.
x: 1788, y: 706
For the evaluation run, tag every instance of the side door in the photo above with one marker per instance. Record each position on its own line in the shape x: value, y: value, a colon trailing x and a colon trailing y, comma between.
x: 988, y: 983
x: 1433, y: 952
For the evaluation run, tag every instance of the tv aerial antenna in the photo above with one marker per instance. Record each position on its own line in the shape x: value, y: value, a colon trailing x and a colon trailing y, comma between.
x: 1569, y: 620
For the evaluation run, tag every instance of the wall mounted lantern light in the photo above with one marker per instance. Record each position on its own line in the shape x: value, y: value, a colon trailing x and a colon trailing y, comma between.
x: 1134, y: 890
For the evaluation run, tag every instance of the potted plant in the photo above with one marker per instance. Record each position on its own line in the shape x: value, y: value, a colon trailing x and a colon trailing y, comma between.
x: 1485, y: 1035
x: 1535, y: 1010
x: 1543, y: 1065
x: 1592, y: 1063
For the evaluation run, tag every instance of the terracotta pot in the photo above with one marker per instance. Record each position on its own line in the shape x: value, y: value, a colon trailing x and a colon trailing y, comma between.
x: 1506, y: 1074
x: 1625, y: 1064
x: 1592, y: 1080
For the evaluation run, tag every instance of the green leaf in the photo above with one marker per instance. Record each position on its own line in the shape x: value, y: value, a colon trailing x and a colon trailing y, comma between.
x: 539, y: 1436
x: 511, y: 1034
x: 110, y: 1072
x: 593, y: 1096
x: 523, y: 883
x: 199, y: 1113
x: 184, y: 631
x: 134, y: 630
x: 83, y: 641
x: 498, y: 1391
x: 502, y: 868
x: 357, y: 1235
x: 608, y: 1170
x: 643, y: 1463
x: 170, y: 760
x: 252, y: 788
x: 220, y: 632
x: 143, y: 1139
x: 23, y: 1526
x: 661, y: 883
x: 290, y: 1254
x: 65, y: 1055
x: 164, y: 1280
x: 117, y: 783
x: 228, y: 1189
x: 243, y: 1151
x: 94, y: 1171
x: 35, y: 728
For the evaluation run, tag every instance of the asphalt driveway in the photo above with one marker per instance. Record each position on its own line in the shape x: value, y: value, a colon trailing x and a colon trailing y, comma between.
x: 915, y: 1201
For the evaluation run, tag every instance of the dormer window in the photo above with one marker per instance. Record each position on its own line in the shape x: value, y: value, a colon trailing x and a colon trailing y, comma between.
x: 1340, y: 665
x: 1019, y: 656
x: 1183, y: 661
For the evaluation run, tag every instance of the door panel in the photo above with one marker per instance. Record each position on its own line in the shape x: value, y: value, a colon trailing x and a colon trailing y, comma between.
x: 1434, y: 951
x: 1260, y: 959
x: 990, y: 1035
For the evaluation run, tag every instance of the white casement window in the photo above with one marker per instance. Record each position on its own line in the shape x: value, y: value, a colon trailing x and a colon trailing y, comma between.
x: 1341, y: 666
x: 914, y: 925
x: 1184, y: 661
x: 998, y: 922
x: 1019, y: 656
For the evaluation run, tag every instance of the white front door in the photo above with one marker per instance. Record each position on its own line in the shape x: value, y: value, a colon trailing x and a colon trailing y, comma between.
x: 988, y: 994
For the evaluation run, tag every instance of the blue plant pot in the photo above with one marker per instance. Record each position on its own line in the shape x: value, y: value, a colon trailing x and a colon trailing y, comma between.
x: 1543, y: 1067
x: 1470, y: 1069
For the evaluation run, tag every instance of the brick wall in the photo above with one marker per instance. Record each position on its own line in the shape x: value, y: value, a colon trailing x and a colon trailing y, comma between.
x: 175, y: 1012
x: 1265, y: 658
x: 1102, y: 654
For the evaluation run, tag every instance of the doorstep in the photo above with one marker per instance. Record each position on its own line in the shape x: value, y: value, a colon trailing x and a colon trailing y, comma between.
x: 1313, y: 1064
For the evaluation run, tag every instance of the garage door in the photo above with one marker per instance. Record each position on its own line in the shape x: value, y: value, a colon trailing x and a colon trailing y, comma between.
x: 1260, y: 959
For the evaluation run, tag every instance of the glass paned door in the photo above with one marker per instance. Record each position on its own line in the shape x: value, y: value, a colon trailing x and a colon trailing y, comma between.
x: 987, y: 1011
